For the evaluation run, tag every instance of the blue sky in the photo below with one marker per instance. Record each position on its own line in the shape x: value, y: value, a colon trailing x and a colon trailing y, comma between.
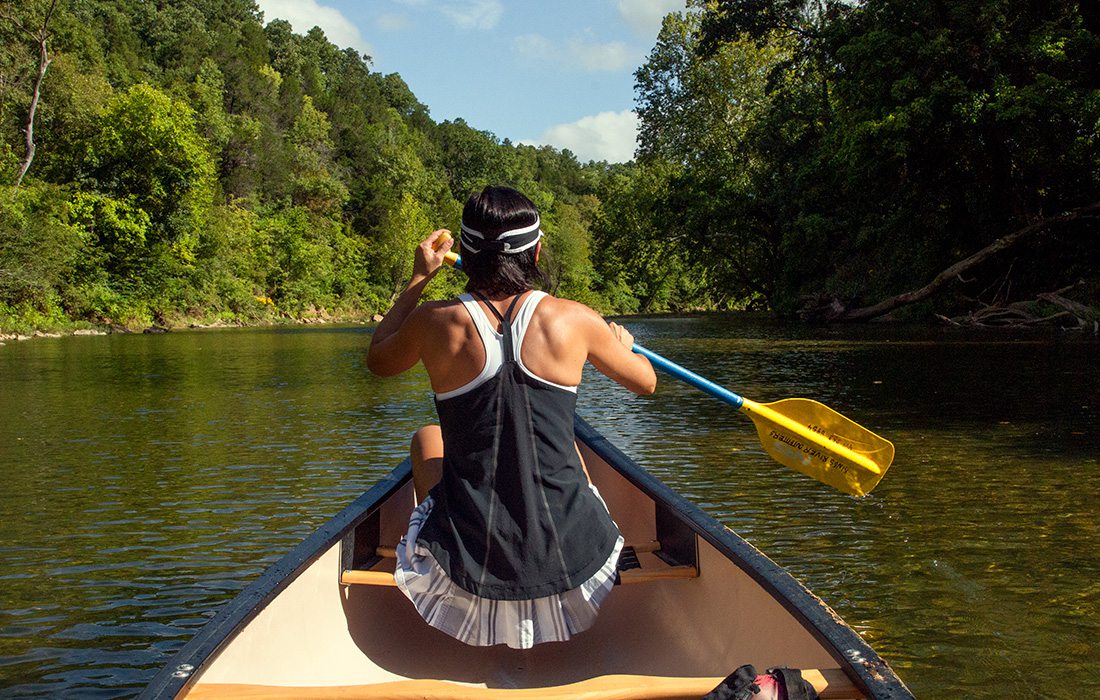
x: 558, y: 73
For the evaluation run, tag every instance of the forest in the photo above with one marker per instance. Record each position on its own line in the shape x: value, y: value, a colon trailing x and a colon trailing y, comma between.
x: 188, y: 162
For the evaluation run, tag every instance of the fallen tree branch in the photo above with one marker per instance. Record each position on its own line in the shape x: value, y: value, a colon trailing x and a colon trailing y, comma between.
x: 883, y: 307
x: 1047, y: 319
x: 1085, y: 313
x: 1028, y: 313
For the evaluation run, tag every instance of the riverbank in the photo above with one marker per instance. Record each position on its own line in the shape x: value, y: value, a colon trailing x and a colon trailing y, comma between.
x: 5, y: 337
x: 17, y: 330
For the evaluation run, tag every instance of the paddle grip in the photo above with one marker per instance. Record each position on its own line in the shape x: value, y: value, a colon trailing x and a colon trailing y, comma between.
x: 686, y: 375
x: 451, y: 259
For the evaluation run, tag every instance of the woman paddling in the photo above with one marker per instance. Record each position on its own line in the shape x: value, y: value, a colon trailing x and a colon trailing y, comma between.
x: 509, y: 544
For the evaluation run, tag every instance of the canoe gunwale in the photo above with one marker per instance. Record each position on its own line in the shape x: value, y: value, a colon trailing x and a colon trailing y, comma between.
x: 872, y: 675
x: 239, y: 611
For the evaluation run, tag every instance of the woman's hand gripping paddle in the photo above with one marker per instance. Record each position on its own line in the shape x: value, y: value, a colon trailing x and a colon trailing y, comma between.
x: 798, y: 433
x: 451, y: 258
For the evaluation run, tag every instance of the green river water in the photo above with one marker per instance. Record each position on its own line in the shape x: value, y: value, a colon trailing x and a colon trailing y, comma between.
x: 144, y: 480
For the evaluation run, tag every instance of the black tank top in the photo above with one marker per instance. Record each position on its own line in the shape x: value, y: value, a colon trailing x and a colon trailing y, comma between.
x: 514, y: 517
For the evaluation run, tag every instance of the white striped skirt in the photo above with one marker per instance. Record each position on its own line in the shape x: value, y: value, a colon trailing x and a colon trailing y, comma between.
x: 521, y: 624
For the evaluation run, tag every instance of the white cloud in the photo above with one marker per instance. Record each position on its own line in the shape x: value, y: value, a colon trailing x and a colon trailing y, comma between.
x: 644, y: 16
x: 610, y: 136
x: 390, y: 22
x: 579, y: 52
x: 474, y: 14
x: 611, y: 56
x: 304, y: 15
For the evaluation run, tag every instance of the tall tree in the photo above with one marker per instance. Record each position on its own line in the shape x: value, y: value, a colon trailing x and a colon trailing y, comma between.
x: 710, y: 113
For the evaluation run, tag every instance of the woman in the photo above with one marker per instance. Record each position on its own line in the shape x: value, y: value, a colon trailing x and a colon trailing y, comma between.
x: 510, y: 544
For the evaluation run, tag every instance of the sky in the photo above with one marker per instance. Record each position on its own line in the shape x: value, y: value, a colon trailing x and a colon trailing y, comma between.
x: 556, y: 73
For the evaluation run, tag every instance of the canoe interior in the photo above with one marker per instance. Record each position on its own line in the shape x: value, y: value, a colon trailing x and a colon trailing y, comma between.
x: 302, y: 628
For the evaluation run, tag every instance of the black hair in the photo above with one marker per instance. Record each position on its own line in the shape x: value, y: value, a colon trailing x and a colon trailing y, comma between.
x: 491, y: 212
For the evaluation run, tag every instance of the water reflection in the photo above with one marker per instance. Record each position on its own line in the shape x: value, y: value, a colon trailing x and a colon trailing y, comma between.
x: 148, y: 478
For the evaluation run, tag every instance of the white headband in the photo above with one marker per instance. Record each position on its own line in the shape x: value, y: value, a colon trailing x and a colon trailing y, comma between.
x: 474, y: 241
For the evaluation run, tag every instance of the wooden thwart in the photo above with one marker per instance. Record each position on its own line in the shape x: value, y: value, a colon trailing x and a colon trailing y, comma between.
x: 830, y: 683
x: 653, y: 568
x: 367, y: 578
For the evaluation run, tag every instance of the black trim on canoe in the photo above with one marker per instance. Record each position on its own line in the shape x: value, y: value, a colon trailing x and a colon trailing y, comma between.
x: 178, y: 675
x: 871, y: 674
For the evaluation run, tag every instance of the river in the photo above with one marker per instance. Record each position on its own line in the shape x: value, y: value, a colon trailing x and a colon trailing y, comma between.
x: 145, y: 479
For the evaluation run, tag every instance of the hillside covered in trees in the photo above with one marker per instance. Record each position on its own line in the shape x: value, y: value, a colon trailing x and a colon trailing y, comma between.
x: 186, y: 161
x: 851, y: 158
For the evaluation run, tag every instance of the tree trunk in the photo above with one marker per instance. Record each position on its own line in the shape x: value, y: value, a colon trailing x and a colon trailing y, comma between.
x: 42, y: 37
x: 883, y: 307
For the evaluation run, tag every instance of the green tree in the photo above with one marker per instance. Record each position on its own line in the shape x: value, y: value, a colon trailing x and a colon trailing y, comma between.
x: 34, y: 23
x: 568, y: 261
x: 148, y: 157
x: 958, y: 123
x: 39, y: 248
x: 314, y: 184
x: 646, y: 262
x: 707, y: 115
x: 471, y: 159
x: 405, y: 226
x: 298, y: 243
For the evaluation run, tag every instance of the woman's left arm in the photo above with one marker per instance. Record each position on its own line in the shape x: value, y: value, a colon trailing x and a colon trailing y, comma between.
x: 395, y: 346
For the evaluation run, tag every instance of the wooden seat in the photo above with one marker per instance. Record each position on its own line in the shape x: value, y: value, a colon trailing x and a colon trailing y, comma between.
x: 651, y: 568
x: 831, y: 684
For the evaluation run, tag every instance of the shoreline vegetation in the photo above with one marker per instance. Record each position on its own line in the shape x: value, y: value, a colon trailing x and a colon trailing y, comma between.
x: 836, y: 162
x: 85, y: 329
x: 1020, y: 319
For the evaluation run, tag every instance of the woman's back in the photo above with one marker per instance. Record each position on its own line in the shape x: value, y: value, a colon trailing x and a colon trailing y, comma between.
x: 560, y: 337
x: 515, y: 517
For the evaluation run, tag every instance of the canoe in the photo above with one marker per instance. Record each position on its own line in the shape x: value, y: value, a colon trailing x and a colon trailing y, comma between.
x: 696, y: 602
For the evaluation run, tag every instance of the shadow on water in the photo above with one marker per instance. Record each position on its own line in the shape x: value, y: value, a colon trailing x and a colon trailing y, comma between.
x: 147, y: 479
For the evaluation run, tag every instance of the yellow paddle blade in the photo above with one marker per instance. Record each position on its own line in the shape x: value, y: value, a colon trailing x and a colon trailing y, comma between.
x: 819, y: 442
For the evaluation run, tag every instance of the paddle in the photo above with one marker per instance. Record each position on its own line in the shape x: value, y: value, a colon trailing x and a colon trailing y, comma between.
x: 802, y: 434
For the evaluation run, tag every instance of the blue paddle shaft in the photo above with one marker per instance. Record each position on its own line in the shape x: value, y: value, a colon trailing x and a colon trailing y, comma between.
x: 687, y: 376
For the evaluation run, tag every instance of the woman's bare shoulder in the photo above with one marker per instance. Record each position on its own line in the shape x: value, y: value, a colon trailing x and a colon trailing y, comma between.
x: 566, y: 314
x: 439, y: 310
x: 441, y: 306
x: 568, y: 308
x: 433, y: 314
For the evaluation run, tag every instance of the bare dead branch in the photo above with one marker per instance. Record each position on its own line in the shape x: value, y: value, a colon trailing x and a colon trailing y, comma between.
x: 42, y: 36
x: 1085, y: 313
x: 945, y: 277
x: 1047, y: 319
